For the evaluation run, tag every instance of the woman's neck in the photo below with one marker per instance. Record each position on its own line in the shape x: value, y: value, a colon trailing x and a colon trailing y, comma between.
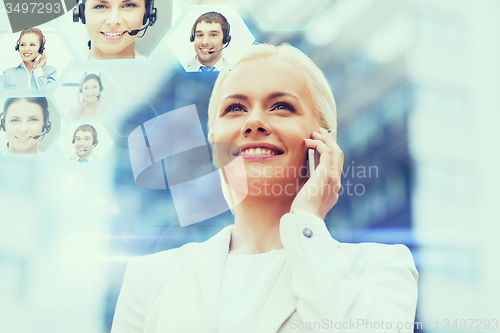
x: 126, y: 53
x: 28, y: 65
x: 256, y: 226
x: 31, y: 150
x: 90, y: 109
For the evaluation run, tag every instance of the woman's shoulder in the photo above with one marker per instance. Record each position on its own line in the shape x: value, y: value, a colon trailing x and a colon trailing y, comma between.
x: 167, y: 257
x: 13, y: 69
x: 49, y: 69
x: 162, y: 263
x: 371, y: 255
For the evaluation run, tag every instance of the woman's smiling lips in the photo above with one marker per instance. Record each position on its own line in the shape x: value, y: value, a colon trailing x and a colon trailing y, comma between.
x: 23, y: 138
x: 259, y: 151
x: 113, y: 35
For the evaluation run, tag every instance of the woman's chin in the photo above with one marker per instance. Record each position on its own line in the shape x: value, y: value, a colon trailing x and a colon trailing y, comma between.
x: 274, y: 188
x: 113, y: 49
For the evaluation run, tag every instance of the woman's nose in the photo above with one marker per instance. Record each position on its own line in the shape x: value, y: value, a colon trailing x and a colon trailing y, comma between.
x: 256, y: 123
x: 114, y: 17
x: 23, y: 127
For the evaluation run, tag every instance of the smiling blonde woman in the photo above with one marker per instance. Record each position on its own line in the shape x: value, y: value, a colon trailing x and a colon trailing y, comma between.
x: 277, y: 269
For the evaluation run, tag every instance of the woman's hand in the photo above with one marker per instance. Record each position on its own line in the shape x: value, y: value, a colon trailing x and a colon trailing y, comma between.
x: 80, y: 106
x: 42, y: 61
x: 320, y: 192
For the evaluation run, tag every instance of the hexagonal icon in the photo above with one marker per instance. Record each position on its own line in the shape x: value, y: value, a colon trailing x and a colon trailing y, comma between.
x: 85, y: 142
x: 117, y: 29
x: 126, y: 115
x: 286, y: 14
x: 32, y: 59
x: 28, y: 125
x: 86, y: 96
x: 210, y: 41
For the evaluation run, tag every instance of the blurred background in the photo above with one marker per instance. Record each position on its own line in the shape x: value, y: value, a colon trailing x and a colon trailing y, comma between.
x: 416, y: 85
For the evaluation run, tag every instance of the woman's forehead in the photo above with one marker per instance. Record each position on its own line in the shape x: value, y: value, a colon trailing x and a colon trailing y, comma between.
x: 90, y: 81
x: 30, y: 37
x: 89, y: 2
x: 24, y: 108
x: 264, y: 75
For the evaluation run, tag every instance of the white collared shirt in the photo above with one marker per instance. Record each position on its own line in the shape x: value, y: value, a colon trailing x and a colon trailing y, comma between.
x: 219, y: 65
x: 91, y: 159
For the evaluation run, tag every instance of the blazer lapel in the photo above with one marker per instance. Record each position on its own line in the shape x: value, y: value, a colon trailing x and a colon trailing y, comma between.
x: 280, y: 304
x: 209, y: 259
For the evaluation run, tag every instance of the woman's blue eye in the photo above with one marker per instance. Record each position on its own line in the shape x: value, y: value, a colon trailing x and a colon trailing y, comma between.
x: 99, y: 7
x: 34, y: 119
x: 234, y: 108
x: 130, y: 5
x: 283, y: 106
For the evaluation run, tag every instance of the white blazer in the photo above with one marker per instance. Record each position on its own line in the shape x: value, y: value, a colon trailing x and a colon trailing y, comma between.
x: 322, y: 283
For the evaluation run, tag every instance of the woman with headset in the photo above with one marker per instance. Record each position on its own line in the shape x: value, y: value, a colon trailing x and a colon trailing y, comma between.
x: 25, y: 121
x: 33, y: 72
x: 277, y: 269
x: 88, y: 104
x: 114, y: 25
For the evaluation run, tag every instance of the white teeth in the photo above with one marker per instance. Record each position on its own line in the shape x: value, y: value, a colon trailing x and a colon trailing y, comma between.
x: 113, y: 34
x: 259, y: 151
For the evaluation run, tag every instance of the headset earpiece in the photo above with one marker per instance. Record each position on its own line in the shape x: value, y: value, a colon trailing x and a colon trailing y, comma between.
x: 47, y: 126
x: 79, y: 12
x: 227, y: 39
x: 42, y: 47
x: 150, y: 14
x: 2, y: 121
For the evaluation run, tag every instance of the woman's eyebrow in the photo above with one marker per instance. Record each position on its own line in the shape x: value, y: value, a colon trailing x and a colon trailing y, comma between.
x: 237, y: 96
x: 99, y: 1
x: 281, y: 94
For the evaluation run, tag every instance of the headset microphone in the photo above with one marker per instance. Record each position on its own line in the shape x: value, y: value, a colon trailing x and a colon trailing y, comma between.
x: 36, y: 137
x: 210, y: 52
x: 136, y: 31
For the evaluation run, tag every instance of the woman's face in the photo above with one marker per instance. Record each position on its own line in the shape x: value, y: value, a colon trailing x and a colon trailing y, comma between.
x: 23, y: 121
x: 108, y: 21
x: 29, y: 44
x: 265, y: 109
x: 91, y: 90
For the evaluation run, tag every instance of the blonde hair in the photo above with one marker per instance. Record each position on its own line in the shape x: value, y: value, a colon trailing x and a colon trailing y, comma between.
x: 319, y: 92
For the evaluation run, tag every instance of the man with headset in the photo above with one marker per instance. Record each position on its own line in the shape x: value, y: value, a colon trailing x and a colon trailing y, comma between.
x: 210, y: 35
x: 85, y: 140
